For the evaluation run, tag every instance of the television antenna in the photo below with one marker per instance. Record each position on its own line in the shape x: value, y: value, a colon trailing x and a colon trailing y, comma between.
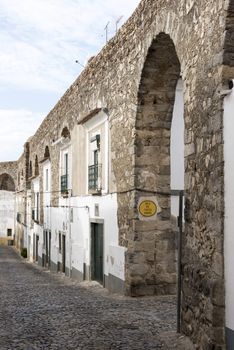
x: 117, y: 22
x: 78, y: 62
x: 106, y: 30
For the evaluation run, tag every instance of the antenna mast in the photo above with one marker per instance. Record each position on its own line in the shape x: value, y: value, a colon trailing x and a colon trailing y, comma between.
x: 117, y: 22
x: 106, y: 30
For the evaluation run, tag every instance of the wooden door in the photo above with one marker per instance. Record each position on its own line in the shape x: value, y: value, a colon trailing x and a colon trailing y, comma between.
x: 63, y: 253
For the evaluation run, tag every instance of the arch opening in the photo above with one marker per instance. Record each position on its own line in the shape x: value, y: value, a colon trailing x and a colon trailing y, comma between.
x: 36, y: 167
x: 159, y: 146
x: 7, y: 183
x: 47, y: 153
x: 66, y: 133
x: 30, y: 169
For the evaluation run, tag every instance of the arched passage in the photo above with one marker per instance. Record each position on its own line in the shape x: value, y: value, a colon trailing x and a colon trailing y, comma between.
x: 7, y: 183
x: 151, y: 255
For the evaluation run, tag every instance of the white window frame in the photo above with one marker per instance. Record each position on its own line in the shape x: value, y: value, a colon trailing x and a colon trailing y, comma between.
x: 66, y: 149
x: 94, y: 123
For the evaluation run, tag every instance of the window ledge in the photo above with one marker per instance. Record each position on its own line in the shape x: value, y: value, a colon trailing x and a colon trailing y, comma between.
x: 44, y: 160
x: 95, y: 192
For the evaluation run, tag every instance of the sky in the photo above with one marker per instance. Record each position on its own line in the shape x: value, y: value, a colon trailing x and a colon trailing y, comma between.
x: 41, y: 40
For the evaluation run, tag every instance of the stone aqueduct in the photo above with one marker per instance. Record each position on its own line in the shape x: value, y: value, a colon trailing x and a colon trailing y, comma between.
x: 134, y: 78
x: 8, y: 175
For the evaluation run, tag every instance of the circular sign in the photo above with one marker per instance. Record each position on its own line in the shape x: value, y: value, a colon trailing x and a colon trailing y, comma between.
x: 148, y: 208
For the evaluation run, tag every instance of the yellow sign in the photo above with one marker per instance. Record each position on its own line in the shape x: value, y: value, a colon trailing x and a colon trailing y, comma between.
x: 148, y: 208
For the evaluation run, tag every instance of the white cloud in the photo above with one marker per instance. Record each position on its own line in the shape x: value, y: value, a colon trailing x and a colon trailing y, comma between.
x: 40, y: 40
x: 16, y: 127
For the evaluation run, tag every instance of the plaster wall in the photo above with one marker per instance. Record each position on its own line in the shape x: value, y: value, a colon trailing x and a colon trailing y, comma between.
x: 46, y: 192
x: 37, y: 229
x: 7, y: 214
x: 29, y: 233
x: 229, y: 208
x: 78, y: 236
x: 177, y: 147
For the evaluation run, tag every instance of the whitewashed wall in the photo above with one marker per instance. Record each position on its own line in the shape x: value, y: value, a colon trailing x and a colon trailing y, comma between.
x: 177, y: 147
x: 229, y: 207
x: 46, y: 193
x: 37, y: 229
x: 78, y: 232
x: 29, y: 239
x: 7, y: 215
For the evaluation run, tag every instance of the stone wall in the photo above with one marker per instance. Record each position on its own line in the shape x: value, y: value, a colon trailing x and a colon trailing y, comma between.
x: 134, y: 77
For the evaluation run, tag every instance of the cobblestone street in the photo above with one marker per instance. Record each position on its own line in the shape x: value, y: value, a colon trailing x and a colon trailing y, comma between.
x: 39, y: 310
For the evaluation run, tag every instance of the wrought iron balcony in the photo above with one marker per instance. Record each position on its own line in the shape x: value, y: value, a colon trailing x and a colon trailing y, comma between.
x: 64, y: 184
x: 95, y: 172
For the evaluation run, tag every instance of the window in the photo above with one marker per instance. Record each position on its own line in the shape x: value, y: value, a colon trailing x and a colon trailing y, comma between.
x: 44, y: 237
x: 65, y: 161
x: 35, y: 211
x: 37, y: 206
x: 60, y: 242
x: 65, y: 173
x: 95, y: 166
x: 66, y: 164
x: 96, y: 127
x: 18, y: 217
x: 9, y: 232
x: 47, y: 180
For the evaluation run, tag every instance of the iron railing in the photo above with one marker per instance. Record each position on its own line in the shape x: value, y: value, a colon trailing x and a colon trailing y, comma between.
x: 95, y: 177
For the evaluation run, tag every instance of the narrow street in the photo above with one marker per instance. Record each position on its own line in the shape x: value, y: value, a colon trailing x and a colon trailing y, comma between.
x: 39, y: 310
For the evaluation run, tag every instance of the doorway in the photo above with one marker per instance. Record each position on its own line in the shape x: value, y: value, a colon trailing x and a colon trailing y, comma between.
x: 46, y: 248
x: 37, y: 245
x: 49, y: 255
x: 29, y: 247
x: 97, y: 252
x: 63, y: 269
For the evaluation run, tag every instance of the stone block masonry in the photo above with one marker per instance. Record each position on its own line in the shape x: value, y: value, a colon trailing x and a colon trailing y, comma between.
x: 134, y: 79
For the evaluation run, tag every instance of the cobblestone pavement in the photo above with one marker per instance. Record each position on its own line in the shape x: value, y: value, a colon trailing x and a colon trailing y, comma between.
x: 40, y: 310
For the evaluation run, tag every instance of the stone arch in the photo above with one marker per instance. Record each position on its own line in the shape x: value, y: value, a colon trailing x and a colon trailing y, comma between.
x: 36, y: 167
x: 228, y: 59
x: 7, y: 183
x: 148, y: 242
x: 47, y: 152
x: 66, y: 133
x: 156, y: 97
x: 153, y: 269
x: 30, y: 169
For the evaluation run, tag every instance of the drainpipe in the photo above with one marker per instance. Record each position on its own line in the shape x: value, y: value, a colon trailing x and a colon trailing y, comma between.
x: 179, y: 284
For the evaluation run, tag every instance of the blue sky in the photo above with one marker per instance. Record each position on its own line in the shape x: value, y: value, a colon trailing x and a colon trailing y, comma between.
x: 40, y: 43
